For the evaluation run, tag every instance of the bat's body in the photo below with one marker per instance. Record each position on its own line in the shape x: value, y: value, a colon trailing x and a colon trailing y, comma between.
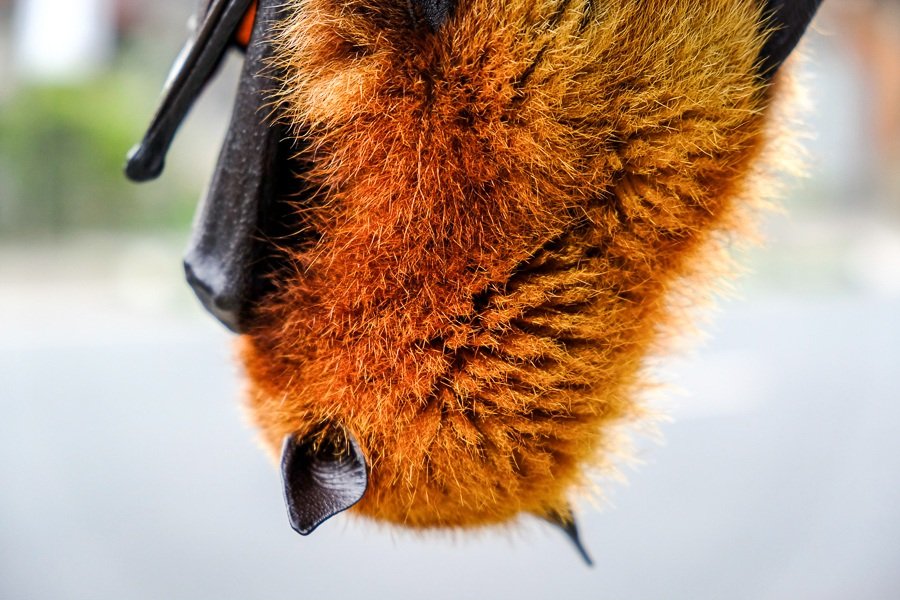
x: 465, y: 225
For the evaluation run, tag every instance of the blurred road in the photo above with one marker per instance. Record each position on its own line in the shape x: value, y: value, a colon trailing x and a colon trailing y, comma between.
x: 128, y: 471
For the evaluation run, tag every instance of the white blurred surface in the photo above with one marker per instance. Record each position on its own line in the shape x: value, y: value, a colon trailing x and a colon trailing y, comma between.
x: 129, y: 472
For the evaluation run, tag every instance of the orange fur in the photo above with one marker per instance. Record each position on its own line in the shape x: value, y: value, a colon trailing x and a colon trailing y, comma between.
x: 502, y: 210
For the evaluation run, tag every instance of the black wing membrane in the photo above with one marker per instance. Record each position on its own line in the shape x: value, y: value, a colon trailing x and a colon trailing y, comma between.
x: 223, y: 259
x: 788, y: 20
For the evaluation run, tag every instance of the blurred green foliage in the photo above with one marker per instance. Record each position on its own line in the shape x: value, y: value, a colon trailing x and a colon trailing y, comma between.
x: 62, y: 150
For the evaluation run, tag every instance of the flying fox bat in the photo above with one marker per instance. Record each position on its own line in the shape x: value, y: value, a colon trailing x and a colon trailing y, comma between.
x: 448, y: 231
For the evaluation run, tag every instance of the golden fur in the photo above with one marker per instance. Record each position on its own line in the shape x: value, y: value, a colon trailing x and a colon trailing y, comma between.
x: 502, y: 209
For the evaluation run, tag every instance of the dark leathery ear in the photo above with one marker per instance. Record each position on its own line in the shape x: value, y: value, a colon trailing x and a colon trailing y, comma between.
x: 193, y: 68
x: 324, y: 474
x: 434, y: 12
x: 251, y: 172
x: 566, y: 524
x: 787, y: 19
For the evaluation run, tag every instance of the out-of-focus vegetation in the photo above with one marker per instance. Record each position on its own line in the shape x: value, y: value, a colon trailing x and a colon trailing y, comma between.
x: 62, y: 149
x: 63, y: 140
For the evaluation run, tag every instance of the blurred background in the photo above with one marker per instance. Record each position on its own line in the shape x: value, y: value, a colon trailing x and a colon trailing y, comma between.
x: 127, y: 469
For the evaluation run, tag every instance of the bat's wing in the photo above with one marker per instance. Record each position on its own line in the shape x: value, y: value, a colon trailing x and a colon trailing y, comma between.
x: 788, y: 19
x: 224, y: 246
x: 223, y: 254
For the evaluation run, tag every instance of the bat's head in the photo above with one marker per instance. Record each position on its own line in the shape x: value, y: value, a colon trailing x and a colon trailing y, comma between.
x: 449, y: 231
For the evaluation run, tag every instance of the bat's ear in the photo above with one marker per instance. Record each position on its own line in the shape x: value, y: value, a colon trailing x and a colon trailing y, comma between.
x: 787, y: 20
x: 324, y: 474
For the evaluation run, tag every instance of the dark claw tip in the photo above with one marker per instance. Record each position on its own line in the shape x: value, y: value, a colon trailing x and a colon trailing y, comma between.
x: 566, y: 524
x: 143, y: 164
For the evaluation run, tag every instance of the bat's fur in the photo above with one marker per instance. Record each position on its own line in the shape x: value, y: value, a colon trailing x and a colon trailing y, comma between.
x: 500, y: 211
